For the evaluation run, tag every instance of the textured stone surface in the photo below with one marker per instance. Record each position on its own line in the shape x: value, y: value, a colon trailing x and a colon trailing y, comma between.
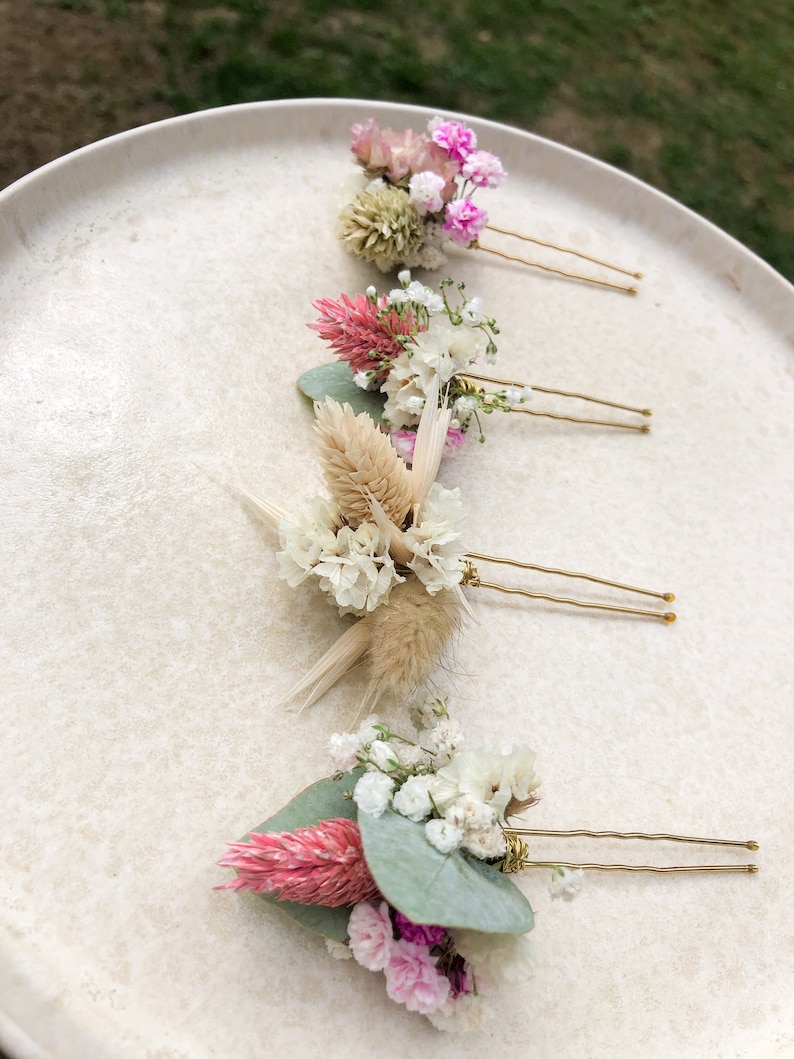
x: 154, y: 291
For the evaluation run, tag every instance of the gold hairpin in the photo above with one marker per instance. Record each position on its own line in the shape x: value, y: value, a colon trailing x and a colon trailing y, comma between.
x: 471, y: 380
x: 563, y: 250
x: 471, y: 576
x: 384, y: 546
x: 518, y: 854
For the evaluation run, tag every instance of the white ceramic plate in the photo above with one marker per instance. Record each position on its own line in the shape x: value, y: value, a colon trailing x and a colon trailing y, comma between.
x: 154, y: 291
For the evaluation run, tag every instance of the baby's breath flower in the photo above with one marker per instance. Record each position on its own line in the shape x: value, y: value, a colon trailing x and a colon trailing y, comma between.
x: 373, y: 793
x: 412, y: 800
x: 443, y: 835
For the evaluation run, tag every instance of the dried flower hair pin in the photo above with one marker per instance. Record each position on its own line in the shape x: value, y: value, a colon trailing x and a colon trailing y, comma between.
x: 402, y: 860
x: 419, y: 200
x: 385, y: 546
x: 391, y: 346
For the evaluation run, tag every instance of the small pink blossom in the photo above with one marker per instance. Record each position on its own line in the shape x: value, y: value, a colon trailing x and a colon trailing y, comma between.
x: 404, y: 442
x: 418, y: 933
x: 320, y: 865
x: 463, y: 221
x: 371, y: 936
x: 457, y: 139
x: 412, y: 978
x: 484, y: 170
x: 355, y: 328
x: 411, y: 152
x: 369, y: 146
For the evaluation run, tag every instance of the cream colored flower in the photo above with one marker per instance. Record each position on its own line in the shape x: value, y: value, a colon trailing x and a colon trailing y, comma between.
x: 435, y: 542
x: 382, y: 225
x: 359, y: 461
x: 304, y: 537
x: 358, y: 572
x: 499, y: 959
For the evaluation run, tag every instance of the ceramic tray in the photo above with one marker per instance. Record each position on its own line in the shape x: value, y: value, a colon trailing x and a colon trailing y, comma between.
x: 154, y: 294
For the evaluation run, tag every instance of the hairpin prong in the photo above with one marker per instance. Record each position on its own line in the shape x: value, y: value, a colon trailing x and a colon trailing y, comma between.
x: 518, y: 852
x: 642, y: 428
x: 564, y: 250
x: 477, y: 245
x: 471, y: 576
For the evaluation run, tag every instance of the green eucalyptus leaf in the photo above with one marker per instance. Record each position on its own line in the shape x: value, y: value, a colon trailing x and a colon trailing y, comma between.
x: 336, y: 380
x: 450, y: 890
x: 322, y: 801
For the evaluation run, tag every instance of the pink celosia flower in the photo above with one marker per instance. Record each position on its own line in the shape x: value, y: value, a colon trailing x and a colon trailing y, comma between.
x: 455, y: 138
x: 484, y: 170
x: 412, y: 978
x: 404, y: 442
x: 463, y: 221
x: 369, y: 147
x: 354, y: 330
x: 371, y: 935
x: 321, y: 865
x: 418, y: 933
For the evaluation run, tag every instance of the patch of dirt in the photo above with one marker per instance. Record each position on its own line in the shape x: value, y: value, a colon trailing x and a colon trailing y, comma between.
x: 69, y: 76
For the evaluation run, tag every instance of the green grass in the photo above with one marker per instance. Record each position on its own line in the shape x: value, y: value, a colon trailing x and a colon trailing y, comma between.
x: 693, y: 97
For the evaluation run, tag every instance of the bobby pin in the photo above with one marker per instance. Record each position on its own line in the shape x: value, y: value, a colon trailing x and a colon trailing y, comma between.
x: 391, y: 346
x: 518, y: 856
x: 412, y: 857
x: 471, y: 576
x: 558, y: 271
x: 419, y: 201
x: 644, y: 428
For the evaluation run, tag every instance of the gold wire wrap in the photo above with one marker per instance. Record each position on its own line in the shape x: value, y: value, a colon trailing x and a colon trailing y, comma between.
x: 563, y: 250
x: 471, y: 576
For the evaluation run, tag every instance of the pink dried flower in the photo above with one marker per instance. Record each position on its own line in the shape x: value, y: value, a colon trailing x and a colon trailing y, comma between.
x: 371, y: 937
x: 463, y: 221
x: 369, y: 147
x: 455, y: 138
x: 418, y: 933
x: 354, y: 329
x: 411, y: 152
x: 404, y: 442
x: 412, y: 978
x: 484, y: 170
x: 321, y: 865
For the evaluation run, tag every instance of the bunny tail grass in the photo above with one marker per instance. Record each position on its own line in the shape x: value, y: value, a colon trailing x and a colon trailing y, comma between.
x: 408, y: 637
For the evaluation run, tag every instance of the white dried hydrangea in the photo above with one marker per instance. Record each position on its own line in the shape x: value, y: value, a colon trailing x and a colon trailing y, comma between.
x: 435, y: 541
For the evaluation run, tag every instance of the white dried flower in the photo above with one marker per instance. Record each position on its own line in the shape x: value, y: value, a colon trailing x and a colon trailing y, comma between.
x: 382, y: 756
x: 358, y: 571
x: 410, y: 755
x: 435, y: 541
x: 424, y: 191
x: 485, y: 842
x: 470, y: 813
x: 344, y: 748
x: 304, y: 536
x: 443, y: 835
x: 412, y: 800
x: 471, y: 313
x: 501, y: 960
x: 566, y: 882
x: 446, y: 736
x: 373, y: 793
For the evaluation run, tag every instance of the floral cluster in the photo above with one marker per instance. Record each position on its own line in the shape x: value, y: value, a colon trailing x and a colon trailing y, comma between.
x: 462, y: 797
x: 352, y: 563
x: 437, y: 969
x: 380, y: 524
x: 397, y: 343
x: 419, y: 193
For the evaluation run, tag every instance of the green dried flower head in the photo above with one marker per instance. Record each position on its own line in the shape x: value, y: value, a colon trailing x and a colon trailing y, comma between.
x: 382, y: 226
